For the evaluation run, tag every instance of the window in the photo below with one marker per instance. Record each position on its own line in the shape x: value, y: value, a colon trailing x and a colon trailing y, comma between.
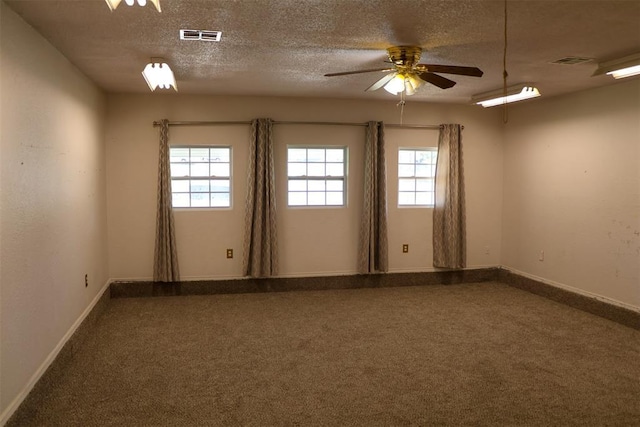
x: 416, y: 173
x: 316, y: 176
x: 200, y: 177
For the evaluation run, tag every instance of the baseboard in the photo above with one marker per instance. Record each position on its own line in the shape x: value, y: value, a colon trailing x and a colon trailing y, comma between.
x: 51, y: 369
x: 125, y: 289
x: 594, y: 304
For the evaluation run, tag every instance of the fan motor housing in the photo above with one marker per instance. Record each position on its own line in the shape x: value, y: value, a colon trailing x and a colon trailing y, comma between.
x: 405, y: 56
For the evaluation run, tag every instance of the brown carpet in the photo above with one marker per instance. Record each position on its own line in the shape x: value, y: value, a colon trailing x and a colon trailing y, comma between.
x: 475, y: 354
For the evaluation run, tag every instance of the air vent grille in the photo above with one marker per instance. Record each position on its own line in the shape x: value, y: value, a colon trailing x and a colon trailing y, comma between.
x: 204, y: 35
x: 571, y: 60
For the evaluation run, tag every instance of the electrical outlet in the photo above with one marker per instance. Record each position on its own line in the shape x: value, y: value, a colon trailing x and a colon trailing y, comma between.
x: 405, y: 248
x: 541, y: 257
x: 86, y: 280
x: 229, y: 253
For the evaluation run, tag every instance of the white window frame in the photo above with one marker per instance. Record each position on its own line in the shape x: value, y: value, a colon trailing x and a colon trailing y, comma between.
x: 323, y: 181
x: 420, y: 181
x: 177, y: 186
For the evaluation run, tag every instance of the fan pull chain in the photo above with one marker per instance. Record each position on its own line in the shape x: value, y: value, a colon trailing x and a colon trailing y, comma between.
x: 401, y: 105
x: 505, y: 113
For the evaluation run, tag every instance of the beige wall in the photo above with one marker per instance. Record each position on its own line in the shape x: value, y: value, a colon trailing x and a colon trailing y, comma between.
x: 53, y: 218
x: 319, y: 241
x: 572, y: 190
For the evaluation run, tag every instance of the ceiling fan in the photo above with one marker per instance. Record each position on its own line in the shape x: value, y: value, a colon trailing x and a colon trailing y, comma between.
x: 407, y: 74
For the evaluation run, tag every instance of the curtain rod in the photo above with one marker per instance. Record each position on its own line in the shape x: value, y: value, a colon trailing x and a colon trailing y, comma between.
x: 275, y: 122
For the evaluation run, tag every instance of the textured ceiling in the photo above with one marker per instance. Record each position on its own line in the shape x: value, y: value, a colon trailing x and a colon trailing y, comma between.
x: 284, y: 47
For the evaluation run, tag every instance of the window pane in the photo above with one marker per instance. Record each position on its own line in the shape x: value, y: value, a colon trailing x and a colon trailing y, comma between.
x: 423, y: 157
x: 200, y: 169
x: 220, y: 185
x: 219, y: 155
x: 199, y: 186
x: 424, y: 198
x: 424, y: 185
x: 335, y: 169
x: 200, y: 154
x: 315, y: 185
x: 316, y: 169
x: 407, y: 185
x: 406, y: 198
x: 297, y: 169
x: 335, y: 155
x: 179, y: 186
x: 316, y: 199
x: 179, y: 169
x: 423, y: 170
x: 220, y: 200
x: 297, y: 155
x: 335, y: 198
x: 297, y: 185
x: 199, y: 200
x: 220, y: 169
x: 297, y: 199
x: 178, y: 154
x: 180, y: 200
x: 406, y: 156
x: 334, y: 185
x: 406, y: 170
x: 315, y: 155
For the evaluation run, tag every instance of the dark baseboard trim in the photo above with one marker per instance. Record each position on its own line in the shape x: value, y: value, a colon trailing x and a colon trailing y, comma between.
x: 284, y: 284
x: 133, y: 289
x: 591, y: 305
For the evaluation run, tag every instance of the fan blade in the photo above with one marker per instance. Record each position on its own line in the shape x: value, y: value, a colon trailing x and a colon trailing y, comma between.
x: 434, y: 79
x: 453, y: 69
x: 383, y: 81
x: 345, y: 73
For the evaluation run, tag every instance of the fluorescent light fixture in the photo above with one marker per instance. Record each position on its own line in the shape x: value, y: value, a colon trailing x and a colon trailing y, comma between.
x: 514, y: 93
x: 625, y: 72
x: 159, y: 75
x: 113, y: 4
x: 620, y: 68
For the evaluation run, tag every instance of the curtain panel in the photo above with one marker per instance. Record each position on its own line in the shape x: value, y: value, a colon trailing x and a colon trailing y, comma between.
x: 373, y: 243
x: 261, y: 243
x: 165, y: 265
x: 449, y: 228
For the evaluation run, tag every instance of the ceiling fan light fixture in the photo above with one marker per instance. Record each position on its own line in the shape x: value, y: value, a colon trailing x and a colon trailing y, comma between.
x: 113, y: 4
x: 158, y: 74
x: 411, y: 84
x: 396, y: 84
x: 403, y: 82
x: 513, y: 94
x: 620, y: 68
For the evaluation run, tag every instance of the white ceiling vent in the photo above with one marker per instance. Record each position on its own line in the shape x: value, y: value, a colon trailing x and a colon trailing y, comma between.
x: 571, y: 60
x: 205, y: 35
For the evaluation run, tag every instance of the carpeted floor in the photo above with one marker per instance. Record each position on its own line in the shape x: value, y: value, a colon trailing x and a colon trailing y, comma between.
x: 474, y: 354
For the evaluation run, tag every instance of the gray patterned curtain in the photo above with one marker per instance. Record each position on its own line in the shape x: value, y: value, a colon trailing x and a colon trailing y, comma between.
x: 449, y: 229
x: 373, y: 244
x: 260, y: 243
x: 165, y: 264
